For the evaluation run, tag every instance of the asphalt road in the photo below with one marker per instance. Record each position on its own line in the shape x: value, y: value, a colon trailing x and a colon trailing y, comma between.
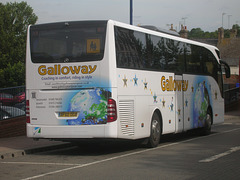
x: 181, y: 156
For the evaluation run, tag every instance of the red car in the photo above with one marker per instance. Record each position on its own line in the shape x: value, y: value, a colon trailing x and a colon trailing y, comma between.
x: 6, y: 99
x: 20, y: 97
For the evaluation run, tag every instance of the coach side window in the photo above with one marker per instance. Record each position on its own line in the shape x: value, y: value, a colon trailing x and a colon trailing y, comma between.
x: 212, y: 66
x: 140, y: 48
x: 130, y: 49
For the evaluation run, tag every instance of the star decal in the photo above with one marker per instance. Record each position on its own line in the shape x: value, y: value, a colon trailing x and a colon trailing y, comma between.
x: 186, y: 103
x: 171, y: 106
x: 155, y: 98
x: 163, y: 102
x: 192, y: 88
x: 135, y: 80
x: 145, y: 84
x: 179, y: 112
x: 125, y: 81
x: 151, y: 91
x: 216, y: 95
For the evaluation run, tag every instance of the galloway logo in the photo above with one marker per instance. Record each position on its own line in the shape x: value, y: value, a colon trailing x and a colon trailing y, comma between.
x: 58, y: 70
x: 173, y: 85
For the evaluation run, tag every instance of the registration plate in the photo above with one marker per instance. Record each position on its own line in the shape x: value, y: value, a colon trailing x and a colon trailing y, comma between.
x: 68, y: 114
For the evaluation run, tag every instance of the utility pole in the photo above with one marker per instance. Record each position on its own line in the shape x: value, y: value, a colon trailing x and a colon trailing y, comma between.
x: 131, y: 12
x: 229, y: 21
x: 184, y: 21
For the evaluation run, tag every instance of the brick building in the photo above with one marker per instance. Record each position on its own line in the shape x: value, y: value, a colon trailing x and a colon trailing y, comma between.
x: 230, y: 53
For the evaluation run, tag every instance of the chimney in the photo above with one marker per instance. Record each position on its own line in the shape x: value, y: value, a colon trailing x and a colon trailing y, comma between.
x: 220, y: 34
x: 184, y: 32
x: 233, y: 33
x: 171, y: 29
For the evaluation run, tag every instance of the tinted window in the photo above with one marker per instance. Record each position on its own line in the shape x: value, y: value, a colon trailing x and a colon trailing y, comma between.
x: 63, y: 42
x: 193, y: 59
x: 211, y: 66
x: 138, y: 50
x: 130, y: 48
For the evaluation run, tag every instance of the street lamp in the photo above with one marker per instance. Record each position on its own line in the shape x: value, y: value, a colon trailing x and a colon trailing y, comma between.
x: 131, y: 12
x: 222, y: 18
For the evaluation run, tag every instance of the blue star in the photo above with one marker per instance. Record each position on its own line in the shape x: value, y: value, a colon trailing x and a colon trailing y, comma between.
x: 186, y: 103
x: 135, y: 80
x: 171, y: 106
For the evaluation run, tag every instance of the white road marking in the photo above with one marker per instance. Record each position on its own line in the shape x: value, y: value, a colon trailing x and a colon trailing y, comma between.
x: 39, y: 163
x: 125, y: 155
x: 215, y: 157
x: 231, y: 124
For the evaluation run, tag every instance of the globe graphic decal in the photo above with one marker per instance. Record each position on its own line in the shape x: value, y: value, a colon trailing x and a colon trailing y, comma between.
x: 200, y: 104
x: 92, y: 105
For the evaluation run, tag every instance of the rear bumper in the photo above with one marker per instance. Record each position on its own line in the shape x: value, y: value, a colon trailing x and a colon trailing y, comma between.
x: 72, y: 132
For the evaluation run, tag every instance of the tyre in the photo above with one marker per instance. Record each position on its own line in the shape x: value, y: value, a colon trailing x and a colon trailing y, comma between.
x: 155, y: 135
x: 206, y: 130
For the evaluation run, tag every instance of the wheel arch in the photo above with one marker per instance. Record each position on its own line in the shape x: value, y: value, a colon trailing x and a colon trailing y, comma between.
x: 209, y: 110
x: 158, y: 112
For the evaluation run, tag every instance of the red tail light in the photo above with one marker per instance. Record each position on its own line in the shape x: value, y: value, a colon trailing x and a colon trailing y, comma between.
x: 27, y: 112
x: 111, y: 110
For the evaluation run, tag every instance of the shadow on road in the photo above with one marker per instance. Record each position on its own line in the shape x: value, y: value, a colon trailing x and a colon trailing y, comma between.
x: 106, y: 147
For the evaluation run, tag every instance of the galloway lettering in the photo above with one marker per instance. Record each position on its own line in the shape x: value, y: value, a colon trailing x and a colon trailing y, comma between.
x: 65, y: 70
x: 173, y: 85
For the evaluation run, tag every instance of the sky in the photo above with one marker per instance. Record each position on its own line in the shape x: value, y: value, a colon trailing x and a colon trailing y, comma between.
x: 204, y: 14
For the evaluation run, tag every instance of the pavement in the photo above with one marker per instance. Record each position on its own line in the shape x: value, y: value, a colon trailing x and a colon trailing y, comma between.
x: 21, y: 145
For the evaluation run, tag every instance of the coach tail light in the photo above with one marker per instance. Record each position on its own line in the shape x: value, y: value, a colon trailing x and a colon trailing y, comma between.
x: 27, y: 112
x: 111, y: 110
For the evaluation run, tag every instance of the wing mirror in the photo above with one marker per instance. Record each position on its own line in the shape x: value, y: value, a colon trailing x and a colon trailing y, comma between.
x: 226, y: 68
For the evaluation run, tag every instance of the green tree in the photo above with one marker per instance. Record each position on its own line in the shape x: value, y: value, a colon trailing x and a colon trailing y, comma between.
x: 196, y: 33
x: 14, y: 20
x: 199, y: 33
x: 226, y: 33
x: 237, y: 27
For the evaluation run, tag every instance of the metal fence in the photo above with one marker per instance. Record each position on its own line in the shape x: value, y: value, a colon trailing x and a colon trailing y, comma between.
x: 231, y: 96
x: 12, y: 102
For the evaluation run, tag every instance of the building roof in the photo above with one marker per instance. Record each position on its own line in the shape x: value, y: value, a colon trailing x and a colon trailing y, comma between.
x: 231, y: 61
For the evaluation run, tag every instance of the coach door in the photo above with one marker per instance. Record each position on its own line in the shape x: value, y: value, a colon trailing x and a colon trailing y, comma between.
x: 179, y: 86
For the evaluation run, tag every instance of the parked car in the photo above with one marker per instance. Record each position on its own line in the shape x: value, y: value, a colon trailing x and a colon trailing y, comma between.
x: 9, y: 112
x: 20, y: 97
x: 21, y: 105
x: 6, y: 99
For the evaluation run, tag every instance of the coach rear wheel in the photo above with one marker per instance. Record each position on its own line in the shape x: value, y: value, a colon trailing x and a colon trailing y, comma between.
x: 155, y: 135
